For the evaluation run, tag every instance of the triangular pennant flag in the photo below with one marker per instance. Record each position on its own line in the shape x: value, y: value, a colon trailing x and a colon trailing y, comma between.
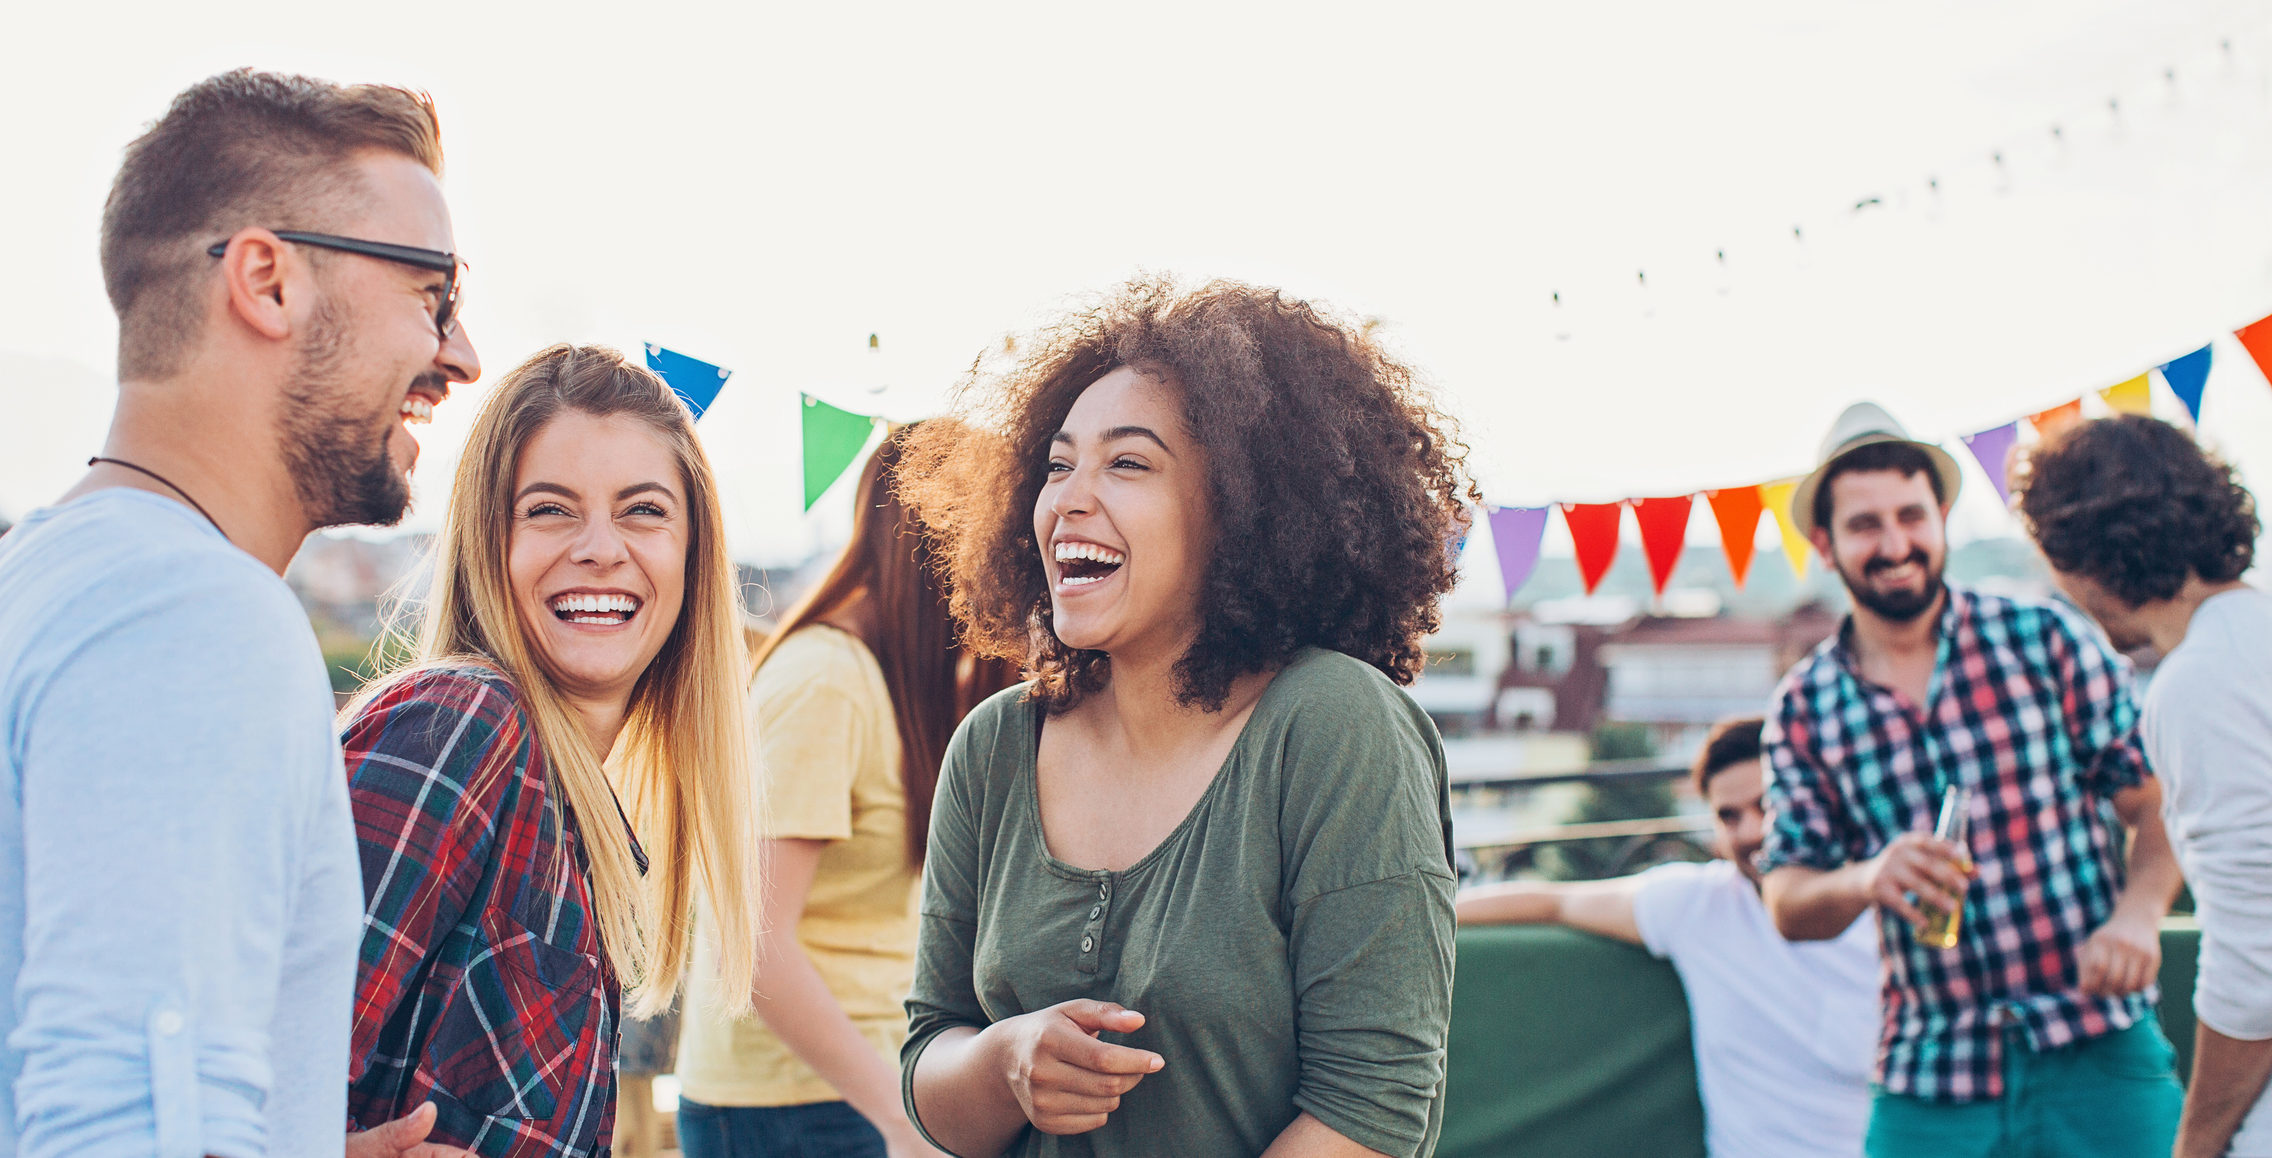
x: 833, y: 438
x: 1796, y: 550
x: 1593, y: 529
x: 695, y: 381
x: 1738, y: 510
x: 1664, y: 530
x: 1994, y: 450
x: 1516, y: 533
x: 2135, y: 396
x: 2256, y: 338
x: 2188, y: 377
x: 2056, y: 419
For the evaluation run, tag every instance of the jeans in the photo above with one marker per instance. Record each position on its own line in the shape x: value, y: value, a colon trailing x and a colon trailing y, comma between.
x: 813, y: 1130
x: 2110, y: 1097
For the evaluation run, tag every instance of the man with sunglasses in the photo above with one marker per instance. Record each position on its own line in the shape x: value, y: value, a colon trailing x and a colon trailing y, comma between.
x: 180, y: 897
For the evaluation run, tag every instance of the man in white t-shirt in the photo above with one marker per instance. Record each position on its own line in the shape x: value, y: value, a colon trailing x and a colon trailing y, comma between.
x: 2150, y: 535
x: 1785, y: 1032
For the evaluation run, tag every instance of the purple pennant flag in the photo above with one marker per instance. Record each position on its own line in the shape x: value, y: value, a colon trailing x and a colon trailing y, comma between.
x: 1516, y: 532
x: 1994, y: 448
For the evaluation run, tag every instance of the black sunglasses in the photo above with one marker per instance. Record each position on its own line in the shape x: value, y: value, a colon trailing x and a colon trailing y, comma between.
x: 445, y: 315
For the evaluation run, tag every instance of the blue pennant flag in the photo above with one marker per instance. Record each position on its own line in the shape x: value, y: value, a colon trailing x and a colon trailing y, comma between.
x: 2187, y: 377
x: 695, y: 381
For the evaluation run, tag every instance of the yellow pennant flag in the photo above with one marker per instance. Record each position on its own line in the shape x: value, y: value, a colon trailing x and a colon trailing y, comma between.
x: 1795, y: 548
x: 2133, y: 397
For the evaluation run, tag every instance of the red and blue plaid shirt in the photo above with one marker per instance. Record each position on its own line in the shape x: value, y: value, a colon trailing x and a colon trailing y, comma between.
x: 2030, y: 711
x: 482, y: 985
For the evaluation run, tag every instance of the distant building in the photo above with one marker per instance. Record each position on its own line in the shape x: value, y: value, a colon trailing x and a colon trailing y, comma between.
x: 1678, y: 676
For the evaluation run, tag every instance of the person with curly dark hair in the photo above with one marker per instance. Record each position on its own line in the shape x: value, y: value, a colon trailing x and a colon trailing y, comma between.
x: 2151, y: 535
x: 1213, y: 524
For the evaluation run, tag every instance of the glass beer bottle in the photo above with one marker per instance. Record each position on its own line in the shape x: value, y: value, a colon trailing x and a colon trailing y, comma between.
x: 1940, y: 928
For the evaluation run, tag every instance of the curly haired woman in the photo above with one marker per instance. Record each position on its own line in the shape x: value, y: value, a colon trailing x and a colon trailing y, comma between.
x: 1190, y: 888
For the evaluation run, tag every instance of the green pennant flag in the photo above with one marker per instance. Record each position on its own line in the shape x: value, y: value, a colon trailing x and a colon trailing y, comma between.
x: 833, y: 438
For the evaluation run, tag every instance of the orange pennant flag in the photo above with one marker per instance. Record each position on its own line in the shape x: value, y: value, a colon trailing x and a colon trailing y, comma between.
x: 1738, y: 510
x: 1664, y: 530
x: 2135, y: 396
x: 1796, y: 549
x: 2056, y: 419
x: 2256, y: 338
x: 1593, y: 530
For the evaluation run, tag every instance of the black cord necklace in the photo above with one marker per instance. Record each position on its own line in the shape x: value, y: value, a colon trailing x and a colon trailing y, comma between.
x: 169, y: 483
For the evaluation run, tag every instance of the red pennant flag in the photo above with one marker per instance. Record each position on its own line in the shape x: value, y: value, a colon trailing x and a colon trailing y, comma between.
x: 1738, y: 510
x: 1593, y: 529
x: 2056, y: 419
x: 2257, y: 338
x: 1664, y: 529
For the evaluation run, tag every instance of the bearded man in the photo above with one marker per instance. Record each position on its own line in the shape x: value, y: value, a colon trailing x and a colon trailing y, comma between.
x: 2034, y: 1032
x: 180, y: 893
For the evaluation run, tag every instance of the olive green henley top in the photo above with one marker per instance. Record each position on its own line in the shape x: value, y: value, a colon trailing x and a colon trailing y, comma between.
x: 1289, y: 944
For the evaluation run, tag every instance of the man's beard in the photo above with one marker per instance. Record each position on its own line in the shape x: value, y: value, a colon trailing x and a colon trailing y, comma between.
x: 1897, y: 606
x: 338, y: 459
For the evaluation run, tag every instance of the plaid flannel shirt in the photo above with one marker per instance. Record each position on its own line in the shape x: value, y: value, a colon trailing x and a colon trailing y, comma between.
x: 482, y: 986
x: 2030, y: 711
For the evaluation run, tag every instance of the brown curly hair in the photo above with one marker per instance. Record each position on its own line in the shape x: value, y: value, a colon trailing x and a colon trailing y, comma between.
x: 2135, y: 505
x: 1342, y: 482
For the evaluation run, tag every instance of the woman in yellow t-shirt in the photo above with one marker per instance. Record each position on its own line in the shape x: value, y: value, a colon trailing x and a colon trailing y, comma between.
x: 854, y: 700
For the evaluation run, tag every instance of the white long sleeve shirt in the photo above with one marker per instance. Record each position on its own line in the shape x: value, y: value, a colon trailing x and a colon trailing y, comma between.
x: 2208, y: 733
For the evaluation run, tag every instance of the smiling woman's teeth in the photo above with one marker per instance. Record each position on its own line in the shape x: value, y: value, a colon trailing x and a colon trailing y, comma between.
x: 416, y: 409
x: 1080, y: 564
x: 600, y: 610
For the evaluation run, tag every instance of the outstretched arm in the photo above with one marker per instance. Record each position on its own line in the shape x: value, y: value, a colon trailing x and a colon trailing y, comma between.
x: 1603, y: 908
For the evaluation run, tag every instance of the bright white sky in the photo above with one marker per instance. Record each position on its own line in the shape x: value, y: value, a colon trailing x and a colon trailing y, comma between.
x: 764, y: 186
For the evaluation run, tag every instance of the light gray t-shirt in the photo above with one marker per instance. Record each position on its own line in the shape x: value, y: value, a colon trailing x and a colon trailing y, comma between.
x: 180, y: 900
x: 2208, y: 732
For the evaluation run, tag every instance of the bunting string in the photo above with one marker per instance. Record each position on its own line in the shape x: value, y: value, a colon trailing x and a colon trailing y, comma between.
x: 1518, y: 532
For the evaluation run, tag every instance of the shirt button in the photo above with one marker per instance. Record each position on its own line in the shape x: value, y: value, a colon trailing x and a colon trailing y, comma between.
x: 167, y: 1023
x: 1104, y: 892
x: 1095, y: 911
x: 1088, y: 943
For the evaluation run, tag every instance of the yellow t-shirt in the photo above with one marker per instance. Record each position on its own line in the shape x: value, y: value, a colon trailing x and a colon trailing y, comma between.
x: 828, y: 748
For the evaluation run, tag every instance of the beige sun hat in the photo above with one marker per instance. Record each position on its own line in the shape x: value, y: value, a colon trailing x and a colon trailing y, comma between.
x: 1863, y: 424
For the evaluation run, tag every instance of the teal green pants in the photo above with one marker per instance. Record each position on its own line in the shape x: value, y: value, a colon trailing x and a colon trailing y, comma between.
x: 2115, y: 1096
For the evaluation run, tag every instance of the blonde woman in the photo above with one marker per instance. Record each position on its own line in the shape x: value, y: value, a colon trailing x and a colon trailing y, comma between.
x: 540, y: 794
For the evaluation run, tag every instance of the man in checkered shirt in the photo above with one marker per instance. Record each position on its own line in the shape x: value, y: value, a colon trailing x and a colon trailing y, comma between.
x: 2035, y: 1034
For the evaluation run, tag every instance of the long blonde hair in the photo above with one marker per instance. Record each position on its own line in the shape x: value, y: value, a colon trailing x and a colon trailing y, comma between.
x: 684, y: 758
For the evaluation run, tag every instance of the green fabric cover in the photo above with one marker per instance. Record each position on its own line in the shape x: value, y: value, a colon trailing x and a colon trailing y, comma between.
x: 1569, y: 1044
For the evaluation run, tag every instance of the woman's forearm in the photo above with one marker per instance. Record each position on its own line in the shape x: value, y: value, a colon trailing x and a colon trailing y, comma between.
x: 1306, y: 1137
x: 795, y: 1003
x: 963, y: 1096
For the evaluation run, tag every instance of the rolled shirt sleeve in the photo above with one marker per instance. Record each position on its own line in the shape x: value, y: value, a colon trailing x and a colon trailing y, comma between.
x: 1373, y: 970
x: 162, y: 838
x: 1371, y: 888
x: 2099, y: 704
x: 1805, y: 825
x: 945, y: 994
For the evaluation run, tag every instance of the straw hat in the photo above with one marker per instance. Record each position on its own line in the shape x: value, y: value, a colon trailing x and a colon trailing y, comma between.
x: 1863, y: 424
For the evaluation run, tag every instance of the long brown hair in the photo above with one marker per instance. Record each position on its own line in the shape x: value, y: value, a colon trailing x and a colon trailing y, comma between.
x: 932, y: 679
